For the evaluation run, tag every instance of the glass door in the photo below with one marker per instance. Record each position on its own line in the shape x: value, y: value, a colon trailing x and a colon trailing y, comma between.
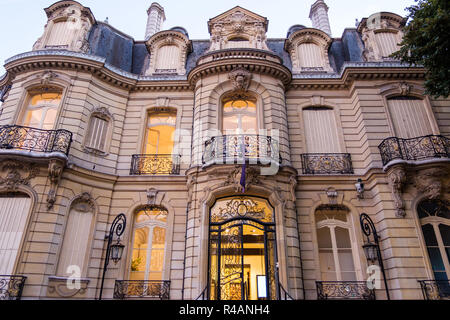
x: 242, y: 254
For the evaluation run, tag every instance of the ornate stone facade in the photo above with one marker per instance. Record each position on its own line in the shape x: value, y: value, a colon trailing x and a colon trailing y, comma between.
x: 243, y: 113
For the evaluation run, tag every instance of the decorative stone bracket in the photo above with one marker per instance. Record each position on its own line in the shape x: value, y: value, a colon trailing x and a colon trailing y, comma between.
x: 397, y: 179
x: 155, y: 197
x: 55, y: 170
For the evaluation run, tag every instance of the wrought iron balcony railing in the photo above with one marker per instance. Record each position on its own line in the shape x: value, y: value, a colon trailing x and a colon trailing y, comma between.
x: 343, y: 290
x: 11, y: 287
x: 32, y: 139
x: 327, y: 163
x: 420, y: 148
x: 435, y: 289
x: 252, y: 148
x: 155, y: 164
x: 126, y: 289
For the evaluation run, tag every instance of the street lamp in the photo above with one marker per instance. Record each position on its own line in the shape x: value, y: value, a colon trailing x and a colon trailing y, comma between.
x: 372, y: 249
x: 114, y: 251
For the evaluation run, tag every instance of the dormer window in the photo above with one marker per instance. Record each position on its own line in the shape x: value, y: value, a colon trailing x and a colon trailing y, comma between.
x: 308, y: 49
x: 381, y: 34
x: 238, y: 42
x: 168, y: 52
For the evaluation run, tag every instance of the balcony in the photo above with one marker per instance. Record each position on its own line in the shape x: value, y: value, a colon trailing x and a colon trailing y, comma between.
x: 420, y: 148
x: 37, y: 141
x: 435, y: 289
x: 134, y: 289
x: 155, y: 164
x: 11, y: 287
x: 344, y: 290
x: 327, y: 163
x: 231, y: 149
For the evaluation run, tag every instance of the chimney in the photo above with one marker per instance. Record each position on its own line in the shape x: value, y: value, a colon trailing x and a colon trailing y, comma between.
x: 319, y: 16
x: 156, y: 18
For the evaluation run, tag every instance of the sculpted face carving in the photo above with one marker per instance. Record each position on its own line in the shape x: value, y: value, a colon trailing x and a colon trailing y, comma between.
x: 240, y: 79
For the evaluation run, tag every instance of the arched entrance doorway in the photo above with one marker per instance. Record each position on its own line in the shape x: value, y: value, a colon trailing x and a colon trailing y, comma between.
x: 242, y: 250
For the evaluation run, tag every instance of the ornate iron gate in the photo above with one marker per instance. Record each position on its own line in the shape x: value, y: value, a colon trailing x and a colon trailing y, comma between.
x: 242, y: 231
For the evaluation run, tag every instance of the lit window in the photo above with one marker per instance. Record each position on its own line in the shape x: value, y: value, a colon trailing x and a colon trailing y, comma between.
x: 239, y: 116
x: 160, y: 133
x: 149, y: 242
x: 42, y: 110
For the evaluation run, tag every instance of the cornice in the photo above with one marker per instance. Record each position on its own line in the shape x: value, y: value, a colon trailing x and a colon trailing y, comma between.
x: 213, y: 63
x: 351, y: 72
x: 69, y: 60
x: 259, y: 61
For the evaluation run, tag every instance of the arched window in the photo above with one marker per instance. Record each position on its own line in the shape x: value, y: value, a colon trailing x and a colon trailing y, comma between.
x: 434, y: 218
x: 42, y: 110
x: 321, y: 130
x: 99, y: 130
x: 310, y: 55
x: 149, y: 244
x: 387, y: 43
x: 61, y: 34
x: 160, y: 133
x: 336, y: 254
x: 167, y: 59
x: 76, y: 238
x: 14, y: 210
x: 409, y: 117
x: 239, y: 115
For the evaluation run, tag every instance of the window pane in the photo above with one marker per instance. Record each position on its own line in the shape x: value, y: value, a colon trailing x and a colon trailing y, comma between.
x: 342, y: 238
x: 33, y: 118
x: 430, y: 237
x: 160, y: 140
x: 151, y: 213
x: 248, y: 124
x: 230, y: 123
x: 445, y: 234
x: 327, y: 267
x: 436, y: 259
x: 346, y: 262
x: 42, y: 110
x: 324, y: 237
x: 49, y: 120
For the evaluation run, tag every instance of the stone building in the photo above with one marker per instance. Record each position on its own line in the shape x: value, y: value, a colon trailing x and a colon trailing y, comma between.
x: 242, y: 164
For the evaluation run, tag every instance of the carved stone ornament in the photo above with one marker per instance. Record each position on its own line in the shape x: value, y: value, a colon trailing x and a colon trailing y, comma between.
x: 397, y: 179
x: 154, y: 197
x: 47, y: 77
x: 62, y: 287
x: 429, y: 182
x: 404, y: 88
x: 55, y: 169
x: 238, y: 23
x: 234, y: 178
x: 84, y: 203
x: 16, y: 174
x: 240, y: 79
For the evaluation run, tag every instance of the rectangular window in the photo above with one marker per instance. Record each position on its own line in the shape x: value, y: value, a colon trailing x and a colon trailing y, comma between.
x: 409, y: 117
x: 13, y: 217
x: 321, y: 132
x: 97, y: 134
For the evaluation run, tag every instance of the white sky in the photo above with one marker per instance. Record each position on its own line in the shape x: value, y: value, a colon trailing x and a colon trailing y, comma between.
x: 22, y: 21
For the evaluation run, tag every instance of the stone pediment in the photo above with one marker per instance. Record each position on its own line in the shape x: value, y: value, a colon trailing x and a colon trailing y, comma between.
x: 238, y: 27
x: 236, y: 16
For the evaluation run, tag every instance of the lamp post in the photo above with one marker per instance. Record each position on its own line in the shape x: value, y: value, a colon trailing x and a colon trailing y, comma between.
x: 114, y: 251
x: 372, y: 249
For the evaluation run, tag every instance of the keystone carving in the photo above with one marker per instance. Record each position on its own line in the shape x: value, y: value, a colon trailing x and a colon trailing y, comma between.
x: 397, y: 178
x: 234, y: 178
x: 240, y: 79
x: 84, y: 203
